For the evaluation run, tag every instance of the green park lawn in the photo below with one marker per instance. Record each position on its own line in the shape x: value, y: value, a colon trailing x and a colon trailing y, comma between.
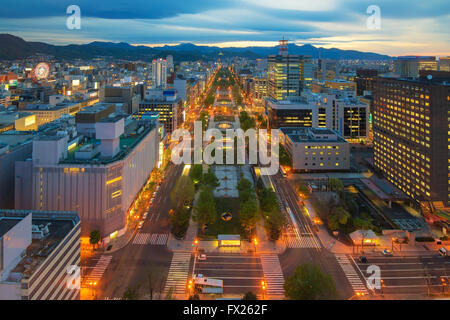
x: 224, y: 227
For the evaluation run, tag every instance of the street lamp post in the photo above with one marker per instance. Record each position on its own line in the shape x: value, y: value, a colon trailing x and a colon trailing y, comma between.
x: 196, y: 245
x: 263, y: 286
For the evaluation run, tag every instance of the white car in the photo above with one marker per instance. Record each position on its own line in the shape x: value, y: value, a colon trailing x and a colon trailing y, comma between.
x: 202, y: 257
x: 140, y: 224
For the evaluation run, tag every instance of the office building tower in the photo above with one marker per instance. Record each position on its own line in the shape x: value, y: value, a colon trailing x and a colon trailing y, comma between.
x: 365, y: 79
x: 288, y: 75
x: 167, y: 104
x: 411, y: 134
x: 336, y: 110
x: 409, y: 66
x: 159, y: 73
x: 444, y: 63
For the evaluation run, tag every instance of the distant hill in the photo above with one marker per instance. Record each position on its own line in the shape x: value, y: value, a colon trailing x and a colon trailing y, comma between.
x: 13, y: 47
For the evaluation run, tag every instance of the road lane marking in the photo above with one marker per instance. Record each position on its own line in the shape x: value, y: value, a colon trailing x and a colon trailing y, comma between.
x: 273, y: 274
x: 178, y: 273
x: 351, y: 274
x: 151, y: 238
x: 97, y: 271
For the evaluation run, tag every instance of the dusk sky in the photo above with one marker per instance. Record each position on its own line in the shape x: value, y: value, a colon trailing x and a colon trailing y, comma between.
x: 407, y: 26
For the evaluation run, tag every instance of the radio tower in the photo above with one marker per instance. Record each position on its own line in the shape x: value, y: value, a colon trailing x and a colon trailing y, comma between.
x: 283, y: 47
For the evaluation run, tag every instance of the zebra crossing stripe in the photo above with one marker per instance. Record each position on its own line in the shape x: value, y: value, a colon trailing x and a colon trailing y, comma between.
x: 349, y: 271
x: 151, y: 238
x: 99, y: 268
x: 178, y: 273
x: 273, y: 274
x: 293, y: 241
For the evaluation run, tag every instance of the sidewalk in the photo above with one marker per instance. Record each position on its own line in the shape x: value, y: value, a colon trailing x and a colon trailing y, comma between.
x: 329, y: 242
x: 121, y: 241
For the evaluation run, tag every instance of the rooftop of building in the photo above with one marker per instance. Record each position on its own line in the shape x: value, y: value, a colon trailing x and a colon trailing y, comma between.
x: 441, y: 78
x: 135, y: 131
x: 15, y: 138
x: 58, y: 224
x: 45, y: 107
x: 308, y: 134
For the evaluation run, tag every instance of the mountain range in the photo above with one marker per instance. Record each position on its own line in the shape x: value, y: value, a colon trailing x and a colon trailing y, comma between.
x: 13, y: 47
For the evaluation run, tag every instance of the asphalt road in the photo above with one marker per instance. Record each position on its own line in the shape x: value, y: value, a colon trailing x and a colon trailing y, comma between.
x: 315, y: 254
x: 130, y: 266
x: 240, y: 272
x: 408, y: 275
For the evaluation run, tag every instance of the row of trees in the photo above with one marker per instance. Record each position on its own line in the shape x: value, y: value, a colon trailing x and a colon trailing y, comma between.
x: 181, y: 196
x: 205, y: 211
x: 248, y: 206
x: 246, y: 121
x: 342, y: 212
x: 274, y: 220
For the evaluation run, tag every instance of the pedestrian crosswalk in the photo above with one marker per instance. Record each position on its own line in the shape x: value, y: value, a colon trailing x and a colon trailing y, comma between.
x: 178, y: 273
x: 350, y: 272
x: 273, y: 275
x: 294, y: 240
x: 151, y: 238
x: 97, y: 272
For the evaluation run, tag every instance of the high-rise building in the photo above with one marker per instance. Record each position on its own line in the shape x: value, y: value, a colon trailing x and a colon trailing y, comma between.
x: 288, y: 75
x: 409, y: 66
x: 444, y: 63
x: 411, y: 134
x: 159, y: 73
x: 365, y: 79
x: 336, y: 110
x: 167, y: 104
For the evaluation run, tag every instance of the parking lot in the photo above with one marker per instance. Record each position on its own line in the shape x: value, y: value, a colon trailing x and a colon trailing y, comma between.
x: 408, y: 274
x: 240, y: 272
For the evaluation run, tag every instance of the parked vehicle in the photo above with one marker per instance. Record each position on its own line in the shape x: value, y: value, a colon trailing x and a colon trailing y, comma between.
x: 443, y: 252
x: 362, y: 259
x: 202, y: 257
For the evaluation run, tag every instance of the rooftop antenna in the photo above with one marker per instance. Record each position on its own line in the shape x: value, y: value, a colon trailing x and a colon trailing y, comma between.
x: 283, y: 47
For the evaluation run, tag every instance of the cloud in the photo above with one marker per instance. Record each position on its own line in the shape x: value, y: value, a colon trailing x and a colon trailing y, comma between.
x: 413, y: 24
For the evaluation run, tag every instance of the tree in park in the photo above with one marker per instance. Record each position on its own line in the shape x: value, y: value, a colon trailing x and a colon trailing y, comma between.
x: 245, y: 189
x: 205, y: 209
x: 179, y: 221
x: 335, y: 184
x: 308, y: 282
x: 209, y: 179
x: 275, y: 221
x: 196, y: 173
x: 249, y: 215
x: 94, y: 237
x: 183, y: 191
x: 338, y: 218
x: 268, y: 200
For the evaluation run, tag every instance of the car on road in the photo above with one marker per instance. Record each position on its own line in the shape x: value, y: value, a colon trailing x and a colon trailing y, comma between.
x: 145, y: 215
x: 141, y: 223
x: 202, y: 257
x: 387, y: 253
x: 443, y: 252
x: 362, y: 259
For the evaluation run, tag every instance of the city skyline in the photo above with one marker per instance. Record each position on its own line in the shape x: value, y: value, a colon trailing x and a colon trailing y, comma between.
x: 406, y: 28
